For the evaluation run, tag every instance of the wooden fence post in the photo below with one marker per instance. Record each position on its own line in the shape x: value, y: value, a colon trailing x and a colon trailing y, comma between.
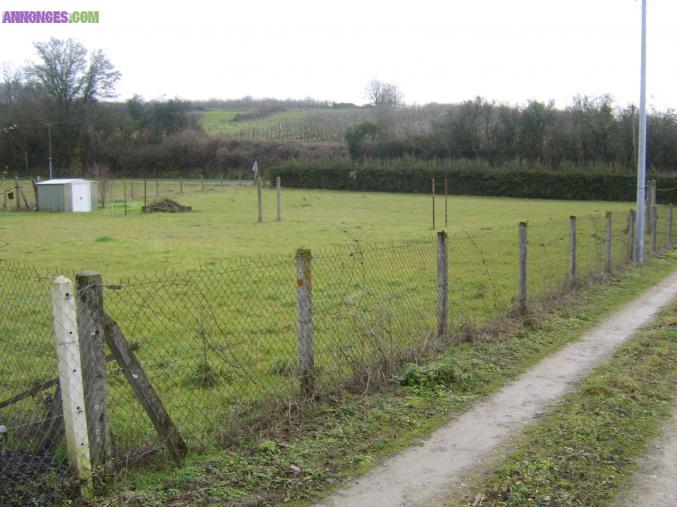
x: 433, y: 192
x: 157, y: 187
x: 305, y: 320
x: 17, y: 195
x: 654, y: 224
x: 522, y: 288
x: 145, y: 192
x: 278, y: 185
x: 202, y: 182
x: 90, y: 319
x: 143, y: 389
x: 631, y: 235
x: 259, y: 184
x: 608, y: 265
x: 650, y: 206
x: 124, y: 194
x: 70, y: 382
x: 670, y: 225
x: 442, y: 283
x: 572, y: 250
x: 446, y: 208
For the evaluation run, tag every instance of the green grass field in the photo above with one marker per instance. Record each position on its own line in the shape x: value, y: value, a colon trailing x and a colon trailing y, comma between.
x: 210, y: 296
x: 223, y: 225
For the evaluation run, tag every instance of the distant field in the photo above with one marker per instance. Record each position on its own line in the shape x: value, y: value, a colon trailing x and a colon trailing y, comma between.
x: 223, y: 225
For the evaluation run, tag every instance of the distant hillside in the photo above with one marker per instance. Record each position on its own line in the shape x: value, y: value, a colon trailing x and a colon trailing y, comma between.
x: 318, y: 124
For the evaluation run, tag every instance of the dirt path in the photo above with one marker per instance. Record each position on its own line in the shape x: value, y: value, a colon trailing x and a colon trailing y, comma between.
x: 427, y: 474
x: 655, y: 482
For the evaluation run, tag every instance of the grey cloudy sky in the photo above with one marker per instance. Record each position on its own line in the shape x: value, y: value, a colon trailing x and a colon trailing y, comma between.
x: 441, y: 51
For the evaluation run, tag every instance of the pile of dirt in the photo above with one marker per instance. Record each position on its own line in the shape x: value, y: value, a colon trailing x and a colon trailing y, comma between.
x: 166, y: 206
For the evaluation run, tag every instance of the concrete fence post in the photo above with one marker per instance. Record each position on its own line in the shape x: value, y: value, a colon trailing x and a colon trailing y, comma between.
x: 522, y: 287
x: 90, y: 320
x: 442, y: 283
x: 608, y: 264
x: 631, y: 235
x: 572, y: 250
x: 305, y: 320
x: 278, y: 186
x: 70, y: 382
x: 259, y: 195
x: 654, y: 224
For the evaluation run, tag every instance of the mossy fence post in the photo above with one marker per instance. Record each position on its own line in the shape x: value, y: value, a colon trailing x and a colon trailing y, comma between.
x: 90, y: 319
x: 522, y: 287
x: 442, y: 283
x: 631, y: 235
x: 607, y: 257
x: 305, y: 320
x: 572, y: 250
x: 70, y: 382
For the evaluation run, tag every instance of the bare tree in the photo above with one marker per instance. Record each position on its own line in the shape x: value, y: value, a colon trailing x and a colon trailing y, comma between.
x: 384, y: 94
x: 66, y: 76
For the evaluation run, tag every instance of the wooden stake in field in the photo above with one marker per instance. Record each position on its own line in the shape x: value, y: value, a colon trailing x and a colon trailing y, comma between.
x: 278, y: 185
x: 17, y: 189
x: 145, y: 192
x: 433, y: 188
x: 202, y: 182
x: 124, y: 195
x: 157, y: 187
x: 259, y: 184
x: 446, y: 213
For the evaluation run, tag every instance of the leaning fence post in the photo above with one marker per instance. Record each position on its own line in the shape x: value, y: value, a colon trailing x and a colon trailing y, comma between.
x: 70, y: 382
x: 305, y: 320
x: 608, y: 258
x: 90, y: 318
x: 631, y: 235
x: 670, y: 225
x: 442, y: 283
x: 654, y: 223
x: 522, y: 294
x: 572, y: 250
x: 259, y: 196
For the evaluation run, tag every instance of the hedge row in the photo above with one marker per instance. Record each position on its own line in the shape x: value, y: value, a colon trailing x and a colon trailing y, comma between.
x: 528, y: 184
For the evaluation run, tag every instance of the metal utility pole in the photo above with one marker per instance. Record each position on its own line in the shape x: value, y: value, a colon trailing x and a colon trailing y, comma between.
x: 49, y: 137
x: 641, y: 157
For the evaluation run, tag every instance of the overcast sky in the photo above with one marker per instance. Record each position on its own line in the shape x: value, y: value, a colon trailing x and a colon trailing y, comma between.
x: 435, y: 51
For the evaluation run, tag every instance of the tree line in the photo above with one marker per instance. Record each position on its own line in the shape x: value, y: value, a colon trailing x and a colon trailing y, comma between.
x: 63, y: 102
x: 590, y: 131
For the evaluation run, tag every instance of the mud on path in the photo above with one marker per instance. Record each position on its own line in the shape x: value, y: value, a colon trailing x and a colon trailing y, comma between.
x: 430, y: 473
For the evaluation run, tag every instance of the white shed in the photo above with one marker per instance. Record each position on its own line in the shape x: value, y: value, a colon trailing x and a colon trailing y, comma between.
x: 67, y: 195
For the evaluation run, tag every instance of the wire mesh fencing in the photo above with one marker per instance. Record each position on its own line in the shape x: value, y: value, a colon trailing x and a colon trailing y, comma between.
x: 189, y: 360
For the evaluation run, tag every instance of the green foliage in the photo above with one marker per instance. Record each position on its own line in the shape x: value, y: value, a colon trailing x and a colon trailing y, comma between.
x: 429, y: 375
x: 466, y: 178
x: 356, y: 136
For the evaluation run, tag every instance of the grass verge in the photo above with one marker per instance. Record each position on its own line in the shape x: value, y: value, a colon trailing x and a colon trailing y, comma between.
x: 299, y: 459
x: 583, y: 451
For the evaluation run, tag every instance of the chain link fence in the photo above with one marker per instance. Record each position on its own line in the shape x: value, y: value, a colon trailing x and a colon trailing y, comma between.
x: 222, y: 349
